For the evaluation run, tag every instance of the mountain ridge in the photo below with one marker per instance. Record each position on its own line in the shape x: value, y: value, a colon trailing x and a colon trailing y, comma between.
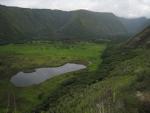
x: 135, y: 25
x: 142, y: 39
x: 34, y: 24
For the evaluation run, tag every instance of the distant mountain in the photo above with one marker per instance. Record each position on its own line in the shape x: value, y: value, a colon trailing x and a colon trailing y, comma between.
x: 44, y: 24
x: 142, y: 39
x: 135, y: 25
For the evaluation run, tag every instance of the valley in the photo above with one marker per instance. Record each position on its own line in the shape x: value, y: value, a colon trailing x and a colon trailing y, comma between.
x: 24, y: 57
x: 78, y: 61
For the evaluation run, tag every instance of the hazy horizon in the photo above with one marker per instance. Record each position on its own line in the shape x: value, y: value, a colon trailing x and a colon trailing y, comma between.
x: 128, y: 8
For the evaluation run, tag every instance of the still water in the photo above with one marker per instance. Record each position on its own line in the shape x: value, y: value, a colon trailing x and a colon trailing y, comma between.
x: 40, y: 75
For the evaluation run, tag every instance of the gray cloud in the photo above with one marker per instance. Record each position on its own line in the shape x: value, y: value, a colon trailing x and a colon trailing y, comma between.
x: 125, y: 8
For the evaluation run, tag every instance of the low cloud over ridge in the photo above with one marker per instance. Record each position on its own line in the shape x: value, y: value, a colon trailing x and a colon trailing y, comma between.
x: 125, y: 8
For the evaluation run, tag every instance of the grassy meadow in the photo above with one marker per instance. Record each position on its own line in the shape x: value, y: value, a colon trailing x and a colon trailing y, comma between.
x: 109, y: 84
x: 113, y: 88
x: 22, y: 57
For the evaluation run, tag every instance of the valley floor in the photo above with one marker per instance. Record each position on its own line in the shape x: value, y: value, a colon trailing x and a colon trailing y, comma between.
x: 23, y: 57
x: 116, y: 80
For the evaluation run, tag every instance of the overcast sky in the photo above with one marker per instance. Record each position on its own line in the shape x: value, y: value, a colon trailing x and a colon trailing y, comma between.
x: 125, y: 8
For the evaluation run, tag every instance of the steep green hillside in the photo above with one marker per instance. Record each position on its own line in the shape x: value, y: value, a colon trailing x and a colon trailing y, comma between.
x: 85, y: 24
x: 135, y: 25
x: 26, y: 24
x: 120, y: 85
x: 117, y: 79
x: 142, y: 39
x: 131, y: 60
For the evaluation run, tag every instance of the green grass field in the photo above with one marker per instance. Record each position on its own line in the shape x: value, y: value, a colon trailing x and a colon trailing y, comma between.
x: 112, y: 89
x: 21, y: 57
x: 104, y: 87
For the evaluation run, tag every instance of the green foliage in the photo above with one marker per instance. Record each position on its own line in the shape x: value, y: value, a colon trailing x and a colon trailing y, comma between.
x: 140, y: 40
x: 21, y: 25
x: 115, y: 82
x: 120, y: 85
x: 135, y: 25
x: 24, y: 57
x: 112, y: 88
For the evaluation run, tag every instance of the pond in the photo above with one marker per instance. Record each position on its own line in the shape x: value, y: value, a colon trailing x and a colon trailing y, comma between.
x: 23, y: 79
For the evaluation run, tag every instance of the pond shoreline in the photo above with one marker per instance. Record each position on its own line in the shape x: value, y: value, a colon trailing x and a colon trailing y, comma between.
x: 40, y: 75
